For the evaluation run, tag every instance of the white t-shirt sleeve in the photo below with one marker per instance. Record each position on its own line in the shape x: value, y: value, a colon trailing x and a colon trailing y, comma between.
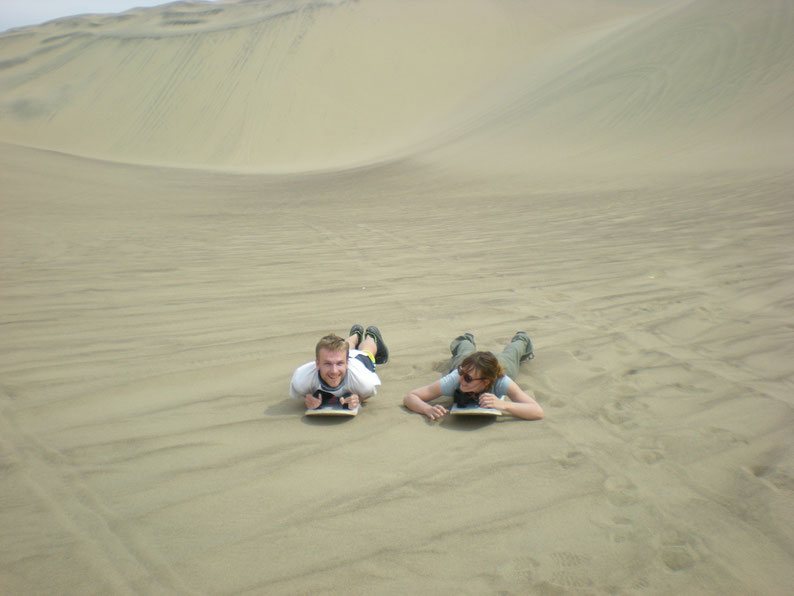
x: 305, y: 380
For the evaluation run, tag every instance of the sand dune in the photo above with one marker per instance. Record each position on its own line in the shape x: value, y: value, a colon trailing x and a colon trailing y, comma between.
x: 273, y: 86
x: 297, y: 86
x: 191, y: 195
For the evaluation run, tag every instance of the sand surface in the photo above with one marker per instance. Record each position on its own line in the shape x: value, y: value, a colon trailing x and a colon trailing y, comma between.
x: 191, y: 195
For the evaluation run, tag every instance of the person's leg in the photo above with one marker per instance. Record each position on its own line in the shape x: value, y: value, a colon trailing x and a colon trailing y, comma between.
x: 368, y: 345
x: 518, y: 350
x: 461, y: 346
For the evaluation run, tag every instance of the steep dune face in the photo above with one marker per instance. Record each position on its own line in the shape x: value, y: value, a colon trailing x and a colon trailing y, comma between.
x: 285, y: 85
x: 505, y: 87
x: 693, y: 84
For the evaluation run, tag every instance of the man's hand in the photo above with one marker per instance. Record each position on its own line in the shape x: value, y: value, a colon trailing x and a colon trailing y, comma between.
x: 489, y: 400
x: 351, y: 401
x: 312, y: 403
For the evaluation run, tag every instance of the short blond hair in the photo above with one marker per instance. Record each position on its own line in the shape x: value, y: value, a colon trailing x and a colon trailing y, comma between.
x: 332, y: 343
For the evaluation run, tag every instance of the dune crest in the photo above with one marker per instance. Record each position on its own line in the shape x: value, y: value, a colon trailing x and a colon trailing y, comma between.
x: 504, y: 87
x: 284, y: 86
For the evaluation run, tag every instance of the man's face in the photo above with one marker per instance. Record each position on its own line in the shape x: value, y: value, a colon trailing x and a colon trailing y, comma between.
x: 332, y: 366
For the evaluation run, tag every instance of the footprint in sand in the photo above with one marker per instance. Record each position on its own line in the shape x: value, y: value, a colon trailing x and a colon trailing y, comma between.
x: 570, y: 570
x: 571, y: 459
x: 519, y: 570
x: 556, y: 574
x: 620, y: 491
x: 648, y: 450
x: 622, y: 530
x: 676, y: 550
x: 582, y: 356
x: 623, y: 409
x: 650, y: 456
x: 619, y: 528
x: 677, y: 558
x: 618, y: 417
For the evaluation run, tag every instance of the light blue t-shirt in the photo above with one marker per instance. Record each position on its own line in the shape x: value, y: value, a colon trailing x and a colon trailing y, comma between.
x: 451, y: 381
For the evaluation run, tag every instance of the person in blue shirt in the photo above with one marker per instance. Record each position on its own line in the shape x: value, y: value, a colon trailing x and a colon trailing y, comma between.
x: 482, y: 377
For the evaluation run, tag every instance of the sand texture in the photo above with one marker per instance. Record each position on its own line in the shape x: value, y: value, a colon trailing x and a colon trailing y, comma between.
x: 191, y: 195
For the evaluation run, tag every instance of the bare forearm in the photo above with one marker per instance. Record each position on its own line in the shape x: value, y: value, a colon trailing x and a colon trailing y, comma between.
x: 415, y: 403
x: 527, y: 411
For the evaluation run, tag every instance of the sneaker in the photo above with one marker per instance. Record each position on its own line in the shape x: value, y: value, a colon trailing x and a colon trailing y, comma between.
x: 357, y: 330
x: 529, y: 354
x: 382, y: 355
x: 453, y: 347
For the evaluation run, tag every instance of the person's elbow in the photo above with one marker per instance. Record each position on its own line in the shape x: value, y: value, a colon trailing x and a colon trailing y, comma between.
x: 412, y: 402
x: 367, y: 393
x: 528, y: 411
x: 536, y: 413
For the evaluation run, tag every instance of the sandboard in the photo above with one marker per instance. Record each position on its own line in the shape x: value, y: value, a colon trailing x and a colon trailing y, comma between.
x: 473, y: 409
x: 333, y: 410
x: 330, y: 406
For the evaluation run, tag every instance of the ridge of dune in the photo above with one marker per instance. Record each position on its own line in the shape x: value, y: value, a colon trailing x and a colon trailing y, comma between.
x: 502, y: 87
x: 286, y: 85
x: 694, y: 86
x: 300, y: 85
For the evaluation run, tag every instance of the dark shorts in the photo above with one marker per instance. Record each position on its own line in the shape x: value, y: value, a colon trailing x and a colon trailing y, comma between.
x: 367, y: 362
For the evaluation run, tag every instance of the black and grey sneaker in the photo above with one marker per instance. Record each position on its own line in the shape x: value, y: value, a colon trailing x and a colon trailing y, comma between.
x: 382, y: 355
x: 357, y: 330
x: 529, y: 353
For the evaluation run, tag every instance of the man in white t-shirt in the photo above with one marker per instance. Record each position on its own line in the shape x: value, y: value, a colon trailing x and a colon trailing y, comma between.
x: 343, y: 369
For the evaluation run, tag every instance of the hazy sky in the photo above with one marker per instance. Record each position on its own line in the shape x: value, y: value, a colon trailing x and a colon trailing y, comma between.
x: 20, y: 13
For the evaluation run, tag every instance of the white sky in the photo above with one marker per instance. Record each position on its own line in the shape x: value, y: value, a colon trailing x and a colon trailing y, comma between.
x: 21, y: 13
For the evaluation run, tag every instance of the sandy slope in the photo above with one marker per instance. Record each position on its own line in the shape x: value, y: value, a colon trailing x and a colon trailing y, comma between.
x: 614, y: 177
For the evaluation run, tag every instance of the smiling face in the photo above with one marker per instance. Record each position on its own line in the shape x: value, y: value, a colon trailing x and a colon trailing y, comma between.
x: 332, y: 366
x: 471, y: 380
